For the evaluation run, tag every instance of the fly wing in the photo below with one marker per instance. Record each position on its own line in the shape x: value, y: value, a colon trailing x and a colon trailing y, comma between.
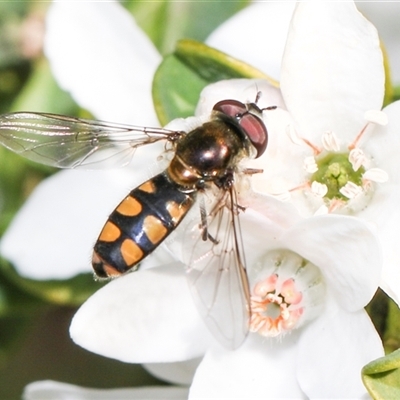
x: 217, y: 273
x: 67, y: 142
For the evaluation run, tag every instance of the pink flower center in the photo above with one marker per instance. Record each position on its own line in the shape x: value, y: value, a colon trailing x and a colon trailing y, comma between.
x: 276, y: 307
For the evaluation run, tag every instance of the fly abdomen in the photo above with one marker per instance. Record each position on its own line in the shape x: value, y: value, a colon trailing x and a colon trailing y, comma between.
x: 139, y: 224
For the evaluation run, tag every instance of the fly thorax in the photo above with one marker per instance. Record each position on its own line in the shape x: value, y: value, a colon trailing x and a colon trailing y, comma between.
x: 207, y: 153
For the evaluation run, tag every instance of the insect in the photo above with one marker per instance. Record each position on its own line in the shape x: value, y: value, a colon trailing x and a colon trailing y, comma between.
x: 204, y: 160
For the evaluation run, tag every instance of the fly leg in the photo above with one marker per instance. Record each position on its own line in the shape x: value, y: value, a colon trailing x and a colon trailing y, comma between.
x: 205, y: 235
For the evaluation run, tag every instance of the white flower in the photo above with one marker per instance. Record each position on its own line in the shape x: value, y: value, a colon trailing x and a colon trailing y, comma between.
x: 327, y: 268
x: 343, y: 151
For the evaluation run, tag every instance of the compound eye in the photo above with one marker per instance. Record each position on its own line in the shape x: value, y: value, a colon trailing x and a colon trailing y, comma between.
x: 256, y: 131
x: 232, y: 108
x: 251, y: 124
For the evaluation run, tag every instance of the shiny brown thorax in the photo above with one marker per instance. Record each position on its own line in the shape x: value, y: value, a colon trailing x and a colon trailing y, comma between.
x: 208, y: 153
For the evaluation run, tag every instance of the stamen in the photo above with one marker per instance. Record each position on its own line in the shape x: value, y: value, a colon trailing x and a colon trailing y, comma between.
x: 357, y: 158
x: 310, y: 165
x: 376, y: 117
x: 358, y: 137
x: 350, y: 190
x: 376, y: 175
x: 297, y: 139
x: 319, y: 189
x: 293, y: 135
x: 330, y: 141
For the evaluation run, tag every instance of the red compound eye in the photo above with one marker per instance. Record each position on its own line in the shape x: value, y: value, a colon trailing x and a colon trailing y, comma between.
x: 232, y: 108
x: 252, y: 125
x: 256, y: 132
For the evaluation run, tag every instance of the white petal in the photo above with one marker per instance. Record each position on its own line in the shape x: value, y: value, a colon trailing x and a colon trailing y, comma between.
x: 52, y: 390
x: 147, y: 316
x: 52, y: 235
x: 102, y: 57
x: 376, y: 116
x: 332, y: 69
x: 384, y: 211
x: 345, y: 250
x: 180, y: 373
x: 259, y: 369
x: 256, y: 35
x: 331, y: 352
x: 384, y: 15
x: 244, y: 90
x: 382, y: 143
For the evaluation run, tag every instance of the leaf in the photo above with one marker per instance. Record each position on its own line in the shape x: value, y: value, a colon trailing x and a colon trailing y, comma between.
x: 165, y: 22
x: 389, y: 89
x: 69, y: 292
x: 381, y: 377
x: 182, y: 75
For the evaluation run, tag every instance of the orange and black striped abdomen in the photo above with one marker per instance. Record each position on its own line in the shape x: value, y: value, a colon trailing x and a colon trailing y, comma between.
x: 139, y: 224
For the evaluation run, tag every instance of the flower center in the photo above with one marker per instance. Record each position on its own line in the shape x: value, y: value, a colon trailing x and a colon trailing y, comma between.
x: 289, y: 291
x: 335, y: 171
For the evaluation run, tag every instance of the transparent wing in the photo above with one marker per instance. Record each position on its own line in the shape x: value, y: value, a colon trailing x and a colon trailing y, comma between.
x: 216, y: 271
x: 67, y: 142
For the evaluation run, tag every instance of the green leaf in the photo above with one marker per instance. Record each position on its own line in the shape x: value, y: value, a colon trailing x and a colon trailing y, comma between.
x: 381, y: 377
x: 69, y: 292
x: 181, y: 77
x: 214, y: 65
x: 390, y: 91
x: 165, y: 22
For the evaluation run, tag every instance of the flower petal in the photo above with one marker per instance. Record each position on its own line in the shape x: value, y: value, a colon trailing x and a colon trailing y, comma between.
x: 179, y: 373
x: 259, y: 369
x: 331, y: 352
x: 385, y: 213
x: 147, y: 316
x: 347, y: 253
x: 384, y: 16
x: 103, y: 58
x: 382, y: 144
x: 52, y: 235
x: 244, y: 90
x: 332, y: 69
x: 256, y: 35
x: 50, y: 390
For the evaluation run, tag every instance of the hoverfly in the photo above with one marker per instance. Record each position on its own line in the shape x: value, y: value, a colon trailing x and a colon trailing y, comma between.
x: 204, y: 159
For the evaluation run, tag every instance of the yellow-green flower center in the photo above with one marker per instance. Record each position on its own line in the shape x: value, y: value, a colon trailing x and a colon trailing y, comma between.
x: 335, y: 171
